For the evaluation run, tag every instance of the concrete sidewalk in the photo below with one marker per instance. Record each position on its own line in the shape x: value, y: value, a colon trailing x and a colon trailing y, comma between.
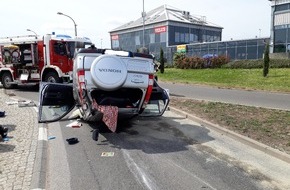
x: 17, y: 151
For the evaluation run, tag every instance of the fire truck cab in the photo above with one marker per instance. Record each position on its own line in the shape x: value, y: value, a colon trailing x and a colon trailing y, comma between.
x: 27, y: 60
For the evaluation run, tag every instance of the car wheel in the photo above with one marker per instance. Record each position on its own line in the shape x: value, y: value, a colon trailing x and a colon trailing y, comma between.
x: 52, y: 77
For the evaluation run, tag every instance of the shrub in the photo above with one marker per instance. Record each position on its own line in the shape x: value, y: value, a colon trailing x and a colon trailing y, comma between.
x: 280, y: 63
x: 244, y: 64
x: 183, y: 62
x: 266, y: 61
x: 217, y: 62
x: 177, y: 58
x: 162, y: 61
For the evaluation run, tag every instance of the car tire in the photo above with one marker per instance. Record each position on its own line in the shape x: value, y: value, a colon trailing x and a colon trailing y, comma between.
x: 52, y: 77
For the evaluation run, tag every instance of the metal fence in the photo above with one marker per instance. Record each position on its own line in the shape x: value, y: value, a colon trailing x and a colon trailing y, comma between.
x: 235, y: 50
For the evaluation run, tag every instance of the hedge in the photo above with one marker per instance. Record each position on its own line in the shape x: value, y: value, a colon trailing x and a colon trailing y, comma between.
x: 181, y: 61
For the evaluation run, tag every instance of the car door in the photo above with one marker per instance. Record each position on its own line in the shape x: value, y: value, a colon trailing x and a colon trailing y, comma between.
x: 158, y: 102
x: 55, y: 101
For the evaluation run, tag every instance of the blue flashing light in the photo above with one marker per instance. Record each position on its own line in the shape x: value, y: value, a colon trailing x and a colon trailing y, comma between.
x: 63, y: 36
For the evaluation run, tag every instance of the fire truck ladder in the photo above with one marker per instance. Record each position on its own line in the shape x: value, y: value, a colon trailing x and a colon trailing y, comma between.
x: 19, y: 39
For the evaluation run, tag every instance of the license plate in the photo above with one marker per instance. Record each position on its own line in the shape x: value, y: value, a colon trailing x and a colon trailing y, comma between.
x: 24, y: 77
x: 35, y: 76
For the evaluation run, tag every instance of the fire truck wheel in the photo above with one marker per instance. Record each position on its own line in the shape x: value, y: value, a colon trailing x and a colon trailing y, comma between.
x: 6, y: 79
x: 52, y: 77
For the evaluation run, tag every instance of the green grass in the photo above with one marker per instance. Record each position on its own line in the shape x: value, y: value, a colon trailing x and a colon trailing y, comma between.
x: 268, y: 126
x: 250, y: 79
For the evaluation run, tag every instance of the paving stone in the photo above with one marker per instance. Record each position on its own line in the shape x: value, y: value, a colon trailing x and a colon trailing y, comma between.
x: 17, y: 156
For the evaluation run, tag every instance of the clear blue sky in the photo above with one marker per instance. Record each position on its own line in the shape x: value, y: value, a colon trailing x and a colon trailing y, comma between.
x: 239, y: 18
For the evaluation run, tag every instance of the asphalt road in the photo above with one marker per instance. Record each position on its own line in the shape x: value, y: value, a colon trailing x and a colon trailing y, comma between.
x: 233, y: 96
x: 170, y: 152
x: 145, y: 154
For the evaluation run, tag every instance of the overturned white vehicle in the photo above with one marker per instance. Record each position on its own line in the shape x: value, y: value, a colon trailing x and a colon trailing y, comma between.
x: 107, y: 85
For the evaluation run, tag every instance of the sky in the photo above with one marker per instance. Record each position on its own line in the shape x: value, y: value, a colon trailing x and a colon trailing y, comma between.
x: 240, y: 19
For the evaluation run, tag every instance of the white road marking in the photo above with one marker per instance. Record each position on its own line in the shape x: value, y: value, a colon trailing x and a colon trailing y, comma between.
x: 138, y: 172
x: 191, y: 174
x: 42, y: 134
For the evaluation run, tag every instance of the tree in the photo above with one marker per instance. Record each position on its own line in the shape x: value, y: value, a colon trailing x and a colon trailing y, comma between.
x: 266, y: 61
x: 162, y: 60
x: 143, y: 50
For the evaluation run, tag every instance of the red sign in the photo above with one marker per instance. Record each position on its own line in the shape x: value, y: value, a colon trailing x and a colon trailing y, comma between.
x: 115, y: 37
x: 160, y: 29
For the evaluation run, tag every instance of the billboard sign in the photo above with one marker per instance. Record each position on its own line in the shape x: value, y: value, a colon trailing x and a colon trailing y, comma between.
x: 115, y: 37
x: 181, y: 48
x: 160, y: 29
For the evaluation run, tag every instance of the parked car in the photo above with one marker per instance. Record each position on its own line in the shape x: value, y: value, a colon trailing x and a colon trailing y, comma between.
x: 107, y: 86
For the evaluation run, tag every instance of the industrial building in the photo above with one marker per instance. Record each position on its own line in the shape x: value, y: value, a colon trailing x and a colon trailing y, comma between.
x: 280, y: 27
x: 171, y: 29
x: 163, y: 27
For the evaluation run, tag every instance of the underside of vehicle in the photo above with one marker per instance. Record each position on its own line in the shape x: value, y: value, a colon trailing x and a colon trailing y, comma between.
x: 126, y: 100
x: 122, y: 98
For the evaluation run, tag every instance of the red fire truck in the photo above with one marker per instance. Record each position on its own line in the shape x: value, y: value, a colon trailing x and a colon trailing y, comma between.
x: 27, y: 60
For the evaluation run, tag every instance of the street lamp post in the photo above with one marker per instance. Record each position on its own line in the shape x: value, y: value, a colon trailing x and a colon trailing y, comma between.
x: 143, y: 17
x: 59, y: 13
x: 33, y: 32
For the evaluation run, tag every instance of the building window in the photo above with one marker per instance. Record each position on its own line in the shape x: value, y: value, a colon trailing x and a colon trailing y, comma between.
x: 191, y: 38
x: 280, y: 35
x: 186, y: 38
x: 115, y: 44
x: 182, y: 37
x: 216, y: 38
x: 177, y: 37
x: 137, y: 40
x: 163, y: 37
x: 282, y: 7
x: 152, y: 38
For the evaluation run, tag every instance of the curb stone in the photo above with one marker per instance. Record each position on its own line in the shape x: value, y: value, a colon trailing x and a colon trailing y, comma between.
x: 38, y: 181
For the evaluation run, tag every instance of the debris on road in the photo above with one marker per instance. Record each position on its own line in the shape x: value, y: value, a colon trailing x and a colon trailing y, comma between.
x: 26, y: 103
x: 51, y: 137
x: 75, y: 124
x: 12, y: 103
x: 73, y: 140
x: 2, y: 113
x: 107, y: 154
x: 3, y: 131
